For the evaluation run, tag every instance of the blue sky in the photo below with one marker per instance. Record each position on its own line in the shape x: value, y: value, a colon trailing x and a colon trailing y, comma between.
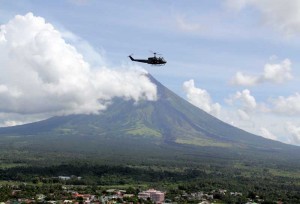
x: 236, y: 59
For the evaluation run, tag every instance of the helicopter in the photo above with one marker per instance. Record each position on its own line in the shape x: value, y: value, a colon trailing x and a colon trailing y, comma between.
x: 158, y: 61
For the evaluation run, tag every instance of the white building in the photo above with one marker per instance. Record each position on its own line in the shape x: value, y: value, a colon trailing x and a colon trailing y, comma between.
x: 154, y: 195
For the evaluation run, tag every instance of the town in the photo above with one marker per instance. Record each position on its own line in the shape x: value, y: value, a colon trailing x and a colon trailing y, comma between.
x: 12, y: 193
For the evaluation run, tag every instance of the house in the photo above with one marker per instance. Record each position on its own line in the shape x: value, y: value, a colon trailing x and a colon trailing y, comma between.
x: 154, y: 195
x: 205, y: 202
x: 40, y: 197
x: 64, y: 178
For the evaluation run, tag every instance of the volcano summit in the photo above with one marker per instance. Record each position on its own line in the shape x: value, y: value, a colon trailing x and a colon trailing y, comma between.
x: 166, y: 129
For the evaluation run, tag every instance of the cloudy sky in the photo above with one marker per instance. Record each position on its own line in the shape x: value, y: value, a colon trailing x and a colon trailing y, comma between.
x: 235, y: 59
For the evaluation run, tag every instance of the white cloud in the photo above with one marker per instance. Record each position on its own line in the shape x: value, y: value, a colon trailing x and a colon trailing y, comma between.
x: 11, y: 123
x: 243, y: 115
x: 94, y: 57
x: 263, y: 119
x: 42, y: 74
x: 244, y: 98
x: 294, y: 131
x: 244, y: 105
x: 244, y: 80
x: 274, y: 73
x: 283, y: 15
x: 267, y: 134
x: 246, y: 113
x: 200, y: 98
x: 287, y: 105
x: 278, y: 73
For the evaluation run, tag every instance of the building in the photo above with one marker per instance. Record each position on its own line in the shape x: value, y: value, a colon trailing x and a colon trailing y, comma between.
x: 154, y: 195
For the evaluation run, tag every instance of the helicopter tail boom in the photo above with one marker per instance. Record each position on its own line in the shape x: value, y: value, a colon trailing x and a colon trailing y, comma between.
x: 138, y: 60
x: 131, y: 58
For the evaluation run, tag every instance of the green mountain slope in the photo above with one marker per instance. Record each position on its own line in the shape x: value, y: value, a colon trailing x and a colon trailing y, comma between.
x: 162, y: 129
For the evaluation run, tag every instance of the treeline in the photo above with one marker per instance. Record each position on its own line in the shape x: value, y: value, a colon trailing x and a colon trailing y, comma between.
x: 250, y: 183
x: 96, y: 174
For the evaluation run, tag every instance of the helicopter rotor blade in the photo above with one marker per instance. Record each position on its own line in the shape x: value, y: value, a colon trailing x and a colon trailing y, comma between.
x: 155, y: 53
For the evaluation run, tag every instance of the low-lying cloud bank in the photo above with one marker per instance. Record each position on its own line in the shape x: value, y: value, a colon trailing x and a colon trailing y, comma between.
x: 201, y: 98
x: 275, y: 119
x: 40, y: 73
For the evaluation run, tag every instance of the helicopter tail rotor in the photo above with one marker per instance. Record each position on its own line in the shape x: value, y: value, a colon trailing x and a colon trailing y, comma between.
x: 130, y: 56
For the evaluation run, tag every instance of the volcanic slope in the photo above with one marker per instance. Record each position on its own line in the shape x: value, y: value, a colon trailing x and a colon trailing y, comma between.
x: 127, y: 130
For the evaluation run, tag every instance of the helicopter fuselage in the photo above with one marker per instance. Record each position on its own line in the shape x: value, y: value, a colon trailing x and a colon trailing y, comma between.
x: 151, y: 60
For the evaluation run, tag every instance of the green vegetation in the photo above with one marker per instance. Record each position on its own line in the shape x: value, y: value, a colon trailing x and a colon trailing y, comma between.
x: 131, y: 161
x: 202, y: 142
x: 167, y: 144
x: 142, y: 130
x: 261, y: 183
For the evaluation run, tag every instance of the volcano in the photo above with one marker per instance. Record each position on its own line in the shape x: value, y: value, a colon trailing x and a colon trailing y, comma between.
x: 168, y: 128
